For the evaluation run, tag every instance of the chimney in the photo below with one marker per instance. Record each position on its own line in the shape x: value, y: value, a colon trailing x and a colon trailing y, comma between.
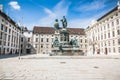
x: 1, y: 7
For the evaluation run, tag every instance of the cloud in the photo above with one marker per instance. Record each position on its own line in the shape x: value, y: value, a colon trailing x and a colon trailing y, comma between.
x: 95, y: 5
x: 14, y: 5
x: 59, y: 10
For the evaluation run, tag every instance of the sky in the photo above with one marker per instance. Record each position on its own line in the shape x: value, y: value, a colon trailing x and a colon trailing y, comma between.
x: 79, y: 13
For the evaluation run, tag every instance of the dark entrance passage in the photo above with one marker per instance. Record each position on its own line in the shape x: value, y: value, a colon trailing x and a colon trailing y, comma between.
x: 28, y: 51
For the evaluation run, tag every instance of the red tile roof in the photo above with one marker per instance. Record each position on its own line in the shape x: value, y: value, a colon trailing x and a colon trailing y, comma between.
x: 50, y: 30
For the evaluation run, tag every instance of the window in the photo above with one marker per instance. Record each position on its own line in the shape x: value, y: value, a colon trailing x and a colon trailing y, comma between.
x: 118, y: 32
x: 112, y: 24
x: 81, y: 40
x: 104, y: 36
x: 108, y: 25
x: 28, y: 39
x: 114, y: 49
x: 109, y: 50
x: 108, y: 35
x: 47, y: 45
x: 21, y: 39
x: 117, y: 21
x: 5, y: 29
x: 36, y: 34
x: 52, y: 46
x: 41, y: 39
x: 52, y: 39
x: 113, y: 34
x: 118, y: 41
x: 119, y: 49
x: 109, y: 43
x: 41, y: 45
x: 8, y: 37
x: 0, y: 42
x: 101, y: 37
x: 1, y: 26
x: 9, y: 31
x: 35, y: 45
x: 47, y: 40
x: 1, y: 35
x: 36, y: 39
x: 113, y: 42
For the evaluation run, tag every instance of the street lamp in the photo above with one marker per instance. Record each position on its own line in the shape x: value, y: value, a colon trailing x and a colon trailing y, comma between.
x: 20, y: 41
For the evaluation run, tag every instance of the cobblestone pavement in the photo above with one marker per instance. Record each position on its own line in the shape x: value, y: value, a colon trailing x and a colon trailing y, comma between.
x: 59, y: 69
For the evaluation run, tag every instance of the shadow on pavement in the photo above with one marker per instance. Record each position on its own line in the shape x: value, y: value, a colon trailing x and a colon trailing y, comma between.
x: 12, y: 55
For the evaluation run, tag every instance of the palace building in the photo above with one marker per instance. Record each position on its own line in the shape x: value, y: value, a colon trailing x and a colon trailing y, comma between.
x: 9, y: 35
x: 103, y: 35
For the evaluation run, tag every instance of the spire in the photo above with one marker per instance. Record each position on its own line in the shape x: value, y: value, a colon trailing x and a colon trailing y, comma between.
x: 1, y: 7
x: 118, y: 5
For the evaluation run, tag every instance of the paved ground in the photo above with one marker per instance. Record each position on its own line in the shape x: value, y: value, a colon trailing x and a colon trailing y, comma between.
x: 60, y: 68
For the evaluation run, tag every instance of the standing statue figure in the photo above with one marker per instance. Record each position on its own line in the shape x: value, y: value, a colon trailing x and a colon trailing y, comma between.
x: 56, y: 25
x: 56, y: 42
x: 75, y: 42
x: 64, y: 22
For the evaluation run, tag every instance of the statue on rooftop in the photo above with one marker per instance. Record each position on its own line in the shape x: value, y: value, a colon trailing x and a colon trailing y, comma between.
x: 64, y: 22
x: 56, y: 25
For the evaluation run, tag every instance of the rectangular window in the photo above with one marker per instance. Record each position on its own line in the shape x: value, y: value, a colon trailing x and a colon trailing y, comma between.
x: 9, y: 31
x: 109, y: 50
x: 0, y: 42
x: 108, y: 43
x: 36, y: 39
x: 1, y: 34
x: 118, y: 32
x: 113, y: 42
x: 5, y: 29
x: 118, y: 41
x: 41, y: 45
x: 41, y: 39
x: 108, y: 35
x: 1, y: 26
x: 114, y: 49
x: 113, y: 34
x: 119, y: 49
x: 81, y: 40
x: 108, y: 25
x: 52, y: 39
x: 35, y: 45
x: 21, y: 39
x: 104, y: 36
x: 47, y: 40
x: 28, y: 39
x: 117, y: 21
x: 112, y: 24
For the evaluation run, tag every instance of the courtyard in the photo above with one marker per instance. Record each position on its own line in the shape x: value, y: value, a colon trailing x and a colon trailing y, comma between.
x: 35, y: 67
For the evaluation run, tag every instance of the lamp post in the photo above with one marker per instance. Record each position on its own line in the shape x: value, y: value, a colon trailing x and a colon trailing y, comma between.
x: 20, y: 42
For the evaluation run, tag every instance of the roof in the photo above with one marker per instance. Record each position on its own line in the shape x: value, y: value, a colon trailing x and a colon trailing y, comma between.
x: 79, y: 31
x: 114, y: 9
x: 43, y: 30
x: 8, y: 19
x: 50, y: 30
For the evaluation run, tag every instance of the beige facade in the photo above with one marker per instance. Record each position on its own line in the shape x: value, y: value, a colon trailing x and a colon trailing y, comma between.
x: 42, y: 40
x: 9, y: 35
x: 104, y: 35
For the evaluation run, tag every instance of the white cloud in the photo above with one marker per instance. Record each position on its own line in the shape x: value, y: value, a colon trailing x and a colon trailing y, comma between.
x: 95, y: 5
x: 57, y: 11
x: 14, y: 5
